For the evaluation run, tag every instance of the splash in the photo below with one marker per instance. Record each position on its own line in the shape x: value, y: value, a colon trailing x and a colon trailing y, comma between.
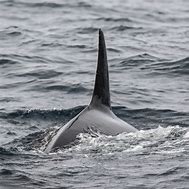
x: 159, y: 140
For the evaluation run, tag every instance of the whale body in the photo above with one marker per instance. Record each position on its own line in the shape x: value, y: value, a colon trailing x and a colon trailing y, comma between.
x: 97, y: 116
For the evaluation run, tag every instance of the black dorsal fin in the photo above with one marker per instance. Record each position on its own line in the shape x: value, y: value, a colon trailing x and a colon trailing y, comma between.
x: 101, y: 93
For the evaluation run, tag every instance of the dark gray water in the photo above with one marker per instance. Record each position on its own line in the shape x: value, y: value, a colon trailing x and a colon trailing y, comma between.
x: 48, y: 53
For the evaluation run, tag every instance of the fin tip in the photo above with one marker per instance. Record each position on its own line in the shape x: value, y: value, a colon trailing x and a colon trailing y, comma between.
x: 100, y: 32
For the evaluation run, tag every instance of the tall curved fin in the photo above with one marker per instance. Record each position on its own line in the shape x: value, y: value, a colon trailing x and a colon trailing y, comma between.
x: 101, y: 93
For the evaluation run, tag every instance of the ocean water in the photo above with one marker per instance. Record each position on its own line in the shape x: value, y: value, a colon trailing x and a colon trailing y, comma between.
x: 48, y: 53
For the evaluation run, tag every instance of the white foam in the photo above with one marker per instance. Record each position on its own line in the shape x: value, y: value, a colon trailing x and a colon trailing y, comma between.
x: 159, y: 140
x: 186, y: 135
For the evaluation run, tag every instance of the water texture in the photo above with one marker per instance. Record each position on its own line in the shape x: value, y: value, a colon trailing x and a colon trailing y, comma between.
x: 48, y: 53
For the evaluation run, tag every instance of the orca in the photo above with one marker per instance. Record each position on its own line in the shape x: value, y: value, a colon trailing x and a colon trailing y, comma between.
x: 97, y: 117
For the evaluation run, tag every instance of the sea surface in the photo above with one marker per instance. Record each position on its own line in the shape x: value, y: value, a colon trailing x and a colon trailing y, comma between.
x: 48, y: 55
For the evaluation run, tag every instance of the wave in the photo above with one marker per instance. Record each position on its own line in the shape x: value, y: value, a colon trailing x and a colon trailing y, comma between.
x: 52, y: 5
x: 30, y: 58
x: 156, y: 65
x: 12, y: 178
x: 30, y: 4
x: 7, y: 62
x: 113, y: 50
x: 7, y: 152
x: 77, y: 46
x: 42, y: 114
x: 169, y: 171
x: 170, y: 139
x: 40, y: 74
x: 10, y: 32
x: 153, y: 141
x: 6, y: 172
x: 139, y: 60
x: 88, y: 30
x: 111, y: 19
x: 180, y: 67
x: 74, y: 88
x: 123, y: 28
x: 141, y: 118
x: 19, y: 58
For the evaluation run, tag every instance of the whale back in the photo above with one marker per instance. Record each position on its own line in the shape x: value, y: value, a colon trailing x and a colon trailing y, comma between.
x: 98, y: 116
